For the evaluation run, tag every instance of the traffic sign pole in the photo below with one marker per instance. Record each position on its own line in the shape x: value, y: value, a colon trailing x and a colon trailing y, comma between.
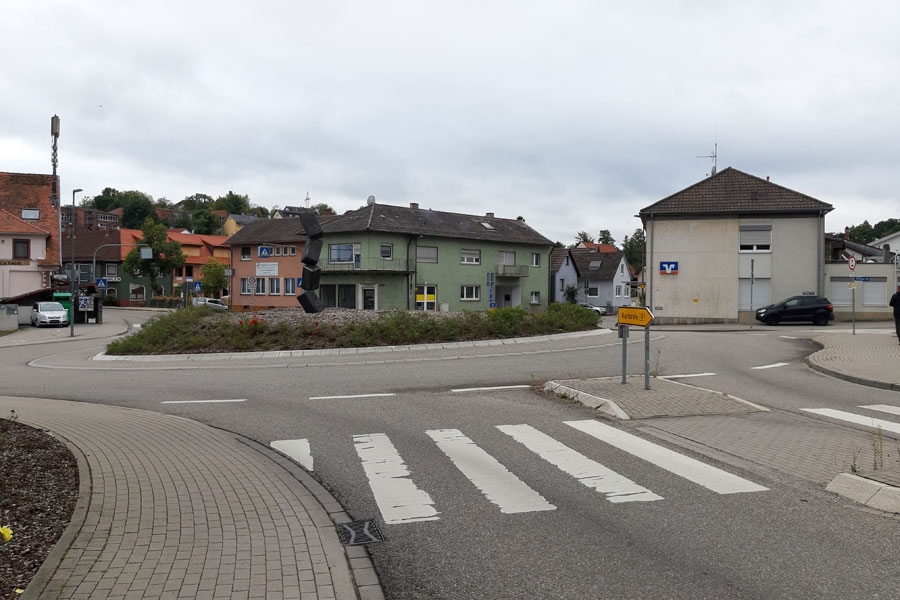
x: 623, y: 331
x: 647, y: 357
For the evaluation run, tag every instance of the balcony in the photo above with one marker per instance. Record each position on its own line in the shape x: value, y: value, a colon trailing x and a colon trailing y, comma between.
x: 512, y: 271
x: 371, y: 265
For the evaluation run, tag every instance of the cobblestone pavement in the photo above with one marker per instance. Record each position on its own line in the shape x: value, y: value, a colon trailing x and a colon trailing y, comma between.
x: 867, y: 358
x: 176, y: 509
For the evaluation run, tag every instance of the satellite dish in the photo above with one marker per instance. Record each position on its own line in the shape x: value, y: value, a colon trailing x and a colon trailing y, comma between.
x: 370, y: 200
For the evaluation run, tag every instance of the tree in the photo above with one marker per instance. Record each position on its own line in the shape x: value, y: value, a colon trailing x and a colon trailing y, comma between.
x: 136, y: 207
x: 195, y: 201
x: 606, y: 237
x: 214, y: 280
x: 203, y: 221
x: 166, y: 258
x: 571, y: 293
x: 107, y: 200
x: 862, y: 234
x: 259, y: 211
x: 322, y: 209
x: 633, y: 247
x: 583, y: 236
x: 236, y: 204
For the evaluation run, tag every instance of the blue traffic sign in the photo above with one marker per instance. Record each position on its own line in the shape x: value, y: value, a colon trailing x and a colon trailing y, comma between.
x: 101, y: 283
x: 265, y: 251
x: 493, y: 305
x: 197, y: 287
x: 862, y: 279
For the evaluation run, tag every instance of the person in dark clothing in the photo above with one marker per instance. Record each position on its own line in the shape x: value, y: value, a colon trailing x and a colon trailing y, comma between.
x: 895, y: 302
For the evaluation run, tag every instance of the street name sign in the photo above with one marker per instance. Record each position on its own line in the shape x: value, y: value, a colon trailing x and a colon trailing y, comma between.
x: 636, y: 316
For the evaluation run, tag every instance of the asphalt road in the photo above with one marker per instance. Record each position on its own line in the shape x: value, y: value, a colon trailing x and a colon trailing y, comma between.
x: 570, y: 540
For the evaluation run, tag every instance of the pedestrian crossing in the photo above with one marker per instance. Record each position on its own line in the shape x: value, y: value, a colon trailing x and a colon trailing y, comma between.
x: 401, y: 499
x: 841, y: 415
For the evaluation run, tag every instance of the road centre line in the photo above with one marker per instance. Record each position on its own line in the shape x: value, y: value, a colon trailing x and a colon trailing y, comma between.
x: 588, y: 472
x: 489, y: 389
x: 789, y: 337
x: 894, y: 410
x: 296, y: 449
x: 398, y: 498
x: 854, y: 418
x: 717, y: 480
x: 685, y: 375
x: 772, y: 366
x: 351, y: 396
x: 202, y: 401
x: 494, y: 480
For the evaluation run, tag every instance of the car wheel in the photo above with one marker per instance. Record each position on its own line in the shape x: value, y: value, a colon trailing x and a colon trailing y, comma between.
x: 771, y: 320
x: 821, y: 319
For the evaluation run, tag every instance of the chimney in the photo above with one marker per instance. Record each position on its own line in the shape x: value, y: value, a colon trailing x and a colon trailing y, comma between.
x: 414, y: 205
x: 489, y: 215
x: 886, y: 253
x: 370, y: 200
x: 767, y: 177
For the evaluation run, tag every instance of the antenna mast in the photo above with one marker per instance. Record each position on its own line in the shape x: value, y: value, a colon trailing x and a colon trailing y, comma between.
x: 714, y: 157
x: 307, y: 200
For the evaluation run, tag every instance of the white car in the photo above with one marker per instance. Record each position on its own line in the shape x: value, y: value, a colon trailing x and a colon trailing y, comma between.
x: 601, y: 310
x: 49, y: 313
x: 213, y: 303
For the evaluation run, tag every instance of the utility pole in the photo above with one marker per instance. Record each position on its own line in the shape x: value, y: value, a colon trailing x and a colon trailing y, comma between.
x: 54, y: 185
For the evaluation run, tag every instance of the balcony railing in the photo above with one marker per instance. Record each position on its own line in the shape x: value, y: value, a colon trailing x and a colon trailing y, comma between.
x: 512, y: 271
x: 394, y: 265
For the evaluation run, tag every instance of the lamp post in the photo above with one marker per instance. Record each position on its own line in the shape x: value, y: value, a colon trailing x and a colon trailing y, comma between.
x: 72, y: 286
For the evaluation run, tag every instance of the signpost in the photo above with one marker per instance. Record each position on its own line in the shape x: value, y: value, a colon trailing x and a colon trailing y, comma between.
x: 251, y: 283
x: 851, y: 262
x: 637, y: 317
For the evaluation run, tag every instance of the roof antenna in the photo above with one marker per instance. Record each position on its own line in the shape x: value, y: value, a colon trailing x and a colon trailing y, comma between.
x: 714, y: 157
x: 307, y: 200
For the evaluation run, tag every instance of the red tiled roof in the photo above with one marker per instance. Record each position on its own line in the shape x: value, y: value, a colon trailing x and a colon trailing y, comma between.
x: 599, y: 247
x: 20, y: 191
x: 10, y: 223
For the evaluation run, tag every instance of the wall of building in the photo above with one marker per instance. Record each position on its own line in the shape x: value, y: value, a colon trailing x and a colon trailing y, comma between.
x: 563, y: 278
x: 288, y: 267
x: 20, y: 276
x: 872, y: 297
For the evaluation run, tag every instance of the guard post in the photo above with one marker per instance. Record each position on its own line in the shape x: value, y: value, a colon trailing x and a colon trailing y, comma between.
x: 636, y: 316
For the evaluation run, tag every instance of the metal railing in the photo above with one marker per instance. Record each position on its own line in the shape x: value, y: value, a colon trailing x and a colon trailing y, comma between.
x: 512, y: 271
x: 393, y: 265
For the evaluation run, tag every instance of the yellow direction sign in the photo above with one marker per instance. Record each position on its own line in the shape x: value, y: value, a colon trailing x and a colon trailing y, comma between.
x: 636, y: 316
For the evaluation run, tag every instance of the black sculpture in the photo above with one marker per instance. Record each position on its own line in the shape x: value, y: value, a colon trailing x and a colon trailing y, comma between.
x: 308, y: 298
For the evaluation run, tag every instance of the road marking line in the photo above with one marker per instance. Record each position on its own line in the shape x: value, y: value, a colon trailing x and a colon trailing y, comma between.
x: 493, y: 479
x: 894, y: 410
x: 488, y: 389
x: 296, y: 449
x: 772, y: 366
x: 685, y: 375
x: 789, y: 337
x: 398, y: 498
x: 853, y: 418
x: 351, y: 396
x: 202, y: 401
x: 717, y: 480
x: 587, y: 471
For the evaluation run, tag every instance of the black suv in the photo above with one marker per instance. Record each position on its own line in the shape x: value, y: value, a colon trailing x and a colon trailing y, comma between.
x: 797, y: 308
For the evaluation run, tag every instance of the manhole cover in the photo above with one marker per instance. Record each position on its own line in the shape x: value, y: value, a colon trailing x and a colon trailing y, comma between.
x: 360, y: 532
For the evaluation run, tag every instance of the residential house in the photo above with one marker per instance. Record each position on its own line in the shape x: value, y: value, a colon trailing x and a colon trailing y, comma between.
x: 198, y: 250
x: 563, y: 274
x: 88, y: 217
x: 874, y: 276
x: 29, y: 233
x: 234, y: 223
x: 386, y: 257
x: 288, y: 212
x: 604, y: 278
x: 729, y: 244
x: 597, y: 247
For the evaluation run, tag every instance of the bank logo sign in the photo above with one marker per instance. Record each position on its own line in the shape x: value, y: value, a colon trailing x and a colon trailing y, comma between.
x: 668, y: 268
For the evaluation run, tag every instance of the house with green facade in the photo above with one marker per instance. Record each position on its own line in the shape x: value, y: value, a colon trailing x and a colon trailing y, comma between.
x: 383, y: 257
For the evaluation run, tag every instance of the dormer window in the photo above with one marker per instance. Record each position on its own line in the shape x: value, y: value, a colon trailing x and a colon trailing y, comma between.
x: 30, y: 214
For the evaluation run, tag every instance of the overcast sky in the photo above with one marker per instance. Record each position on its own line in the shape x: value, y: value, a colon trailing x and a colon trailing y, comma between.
x: 574, y: 115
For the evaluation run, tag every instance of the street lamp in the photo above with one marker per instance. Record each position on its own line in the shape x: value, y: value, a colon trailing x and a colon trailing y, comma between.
x: 73, y: 298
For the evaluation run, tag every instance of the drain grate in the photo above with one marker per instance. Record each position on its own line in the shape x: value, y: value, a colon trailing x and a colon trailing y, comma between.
x: 360, y: 532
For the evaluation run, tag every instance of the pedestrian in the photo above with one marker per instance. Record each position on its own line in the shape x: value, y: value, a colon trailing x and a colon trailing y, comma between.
x: 895, y: 302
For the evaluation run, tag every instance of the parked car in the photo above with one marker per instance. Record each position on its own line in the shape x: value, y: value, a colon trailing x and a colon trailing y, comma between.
x: 816, y: 309
x: 213, y: 303
x: 600, y: 310
x: 49, y: 313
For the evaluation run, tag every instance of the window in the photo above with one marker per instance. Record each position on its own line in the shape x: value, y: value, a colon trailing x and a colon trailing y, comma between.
x: 426, y: 254
x: 507, y: 258
x: 112, y: 269
x: 346, y: 295
x: 621, y: 269
x: 340, y: 253
x: 426, y: 297
x: 245, y: 287
x: 189, y: 271
x: 21, y: 249
x: 274, y: 286
x: 260, y: 286
x: 755, y: 238
x: 618, y: 291
x: 593, y: 292
x: 562, y: 285
x: 470, y: 292
x: 290, y: 286
x: 387, y: 252
x: 567, y: 261
x: 293, y: 250
x: 245, y: 252
x: 31, y: 214
x: 112, y: 292
x: 277, y: 250
x: 535, y: 259
x: 535, y: 297
x: 470, y: 257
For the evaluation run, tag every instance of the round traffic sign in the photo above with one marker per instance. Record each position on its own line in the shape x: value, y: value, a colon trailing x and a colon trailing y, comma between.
x: 251, y: 280
x: 851, y: 262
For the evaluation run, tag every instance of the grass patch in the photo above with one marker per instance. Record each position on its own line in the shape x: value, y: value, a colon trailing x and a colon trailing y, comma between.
x: 199, y: 329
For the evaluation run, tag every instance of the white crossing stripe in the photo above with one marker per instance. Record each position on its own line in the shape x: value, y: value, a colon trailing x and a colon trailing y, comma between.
x: 772, y: 366
x: 350, y: 396
x: 398, y: 498
x: 296, y: 449
x: 894, y: 410
x: 589, y: 472
x: 202, y: 401
x: 684, y: 375
x: 858, y: 419
x: 717, y: 480
x: 493, y: 479
x: 490, y: 389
